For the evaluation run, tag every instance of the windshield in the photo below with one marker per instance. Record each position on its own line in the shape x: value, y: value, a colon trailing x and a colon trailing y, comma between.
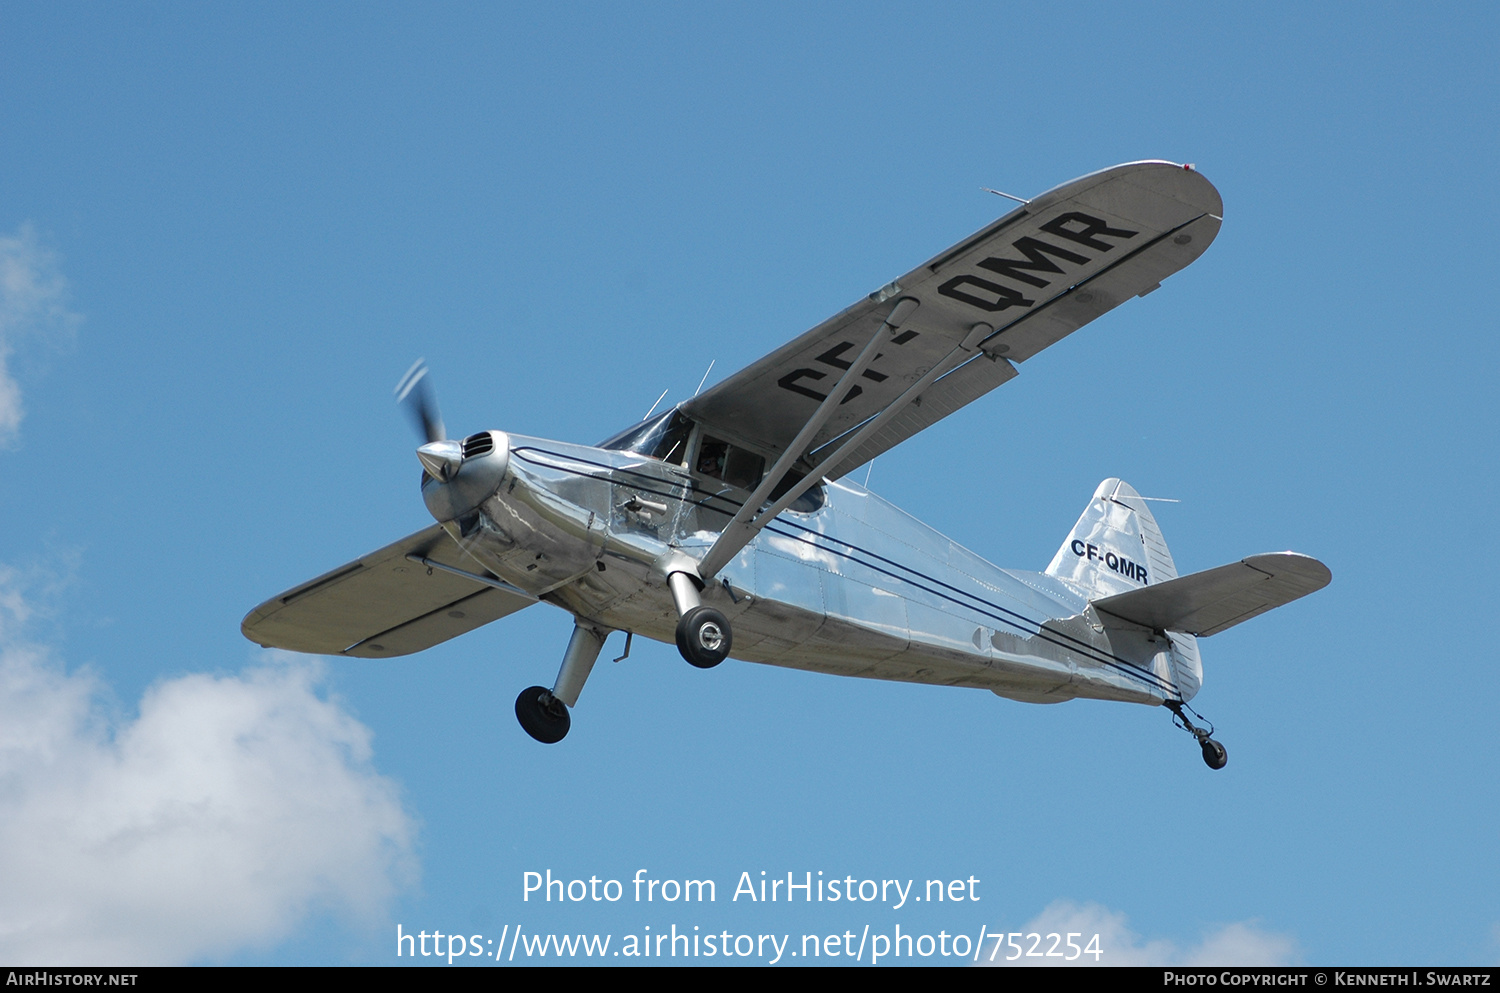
x: 663, y: 437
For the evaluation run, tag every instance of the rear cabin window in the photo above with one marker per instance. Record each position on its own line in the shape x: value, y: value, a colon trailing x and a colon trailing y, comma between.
x: 810, y: 501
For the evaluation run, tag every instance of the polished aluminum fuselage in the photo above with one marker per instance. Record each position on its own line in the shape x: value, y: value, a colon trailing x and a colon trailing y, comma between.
x: 856, y: 587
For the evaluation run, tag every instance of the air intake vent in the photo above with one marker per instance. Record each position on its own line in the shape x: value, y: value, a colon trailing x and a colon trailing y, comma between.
x: 475, y: 445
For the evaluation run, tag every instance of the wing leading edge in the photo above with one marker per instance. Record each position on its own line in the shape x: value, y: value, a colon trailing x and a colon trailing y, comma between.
x: 400, y: 599
x: 999, y: 297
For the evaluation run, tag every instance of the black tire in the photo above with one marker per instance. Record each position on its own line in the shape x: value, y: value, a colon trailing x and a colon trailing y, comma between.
x: 703, y: 637
x: 542, y: 715
x: 1214, y: 754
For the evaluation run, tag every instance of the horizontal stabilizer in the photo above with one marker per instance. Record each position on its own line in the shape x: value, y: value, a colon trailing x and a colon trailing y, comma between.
x: 384, y: 604
x: 1208, y: 602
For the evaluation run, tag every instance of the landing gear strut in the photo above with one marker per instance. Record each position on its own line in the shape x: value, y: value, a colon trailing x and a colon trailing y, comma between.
x: 703, y: 635
x: 543, y: 713
x: 1215, y: 756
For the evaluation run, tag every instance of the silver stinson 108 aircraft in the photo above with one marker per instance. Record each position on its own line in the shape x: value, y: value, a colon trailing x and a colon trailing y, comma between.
x: 731, y: 526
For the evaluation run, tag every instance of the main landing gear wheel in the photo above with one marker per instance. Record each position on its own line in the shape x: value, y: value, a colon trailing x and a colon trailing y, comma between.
x: 542, y: 715
x: 1214, y: 754
x: 703, y: 637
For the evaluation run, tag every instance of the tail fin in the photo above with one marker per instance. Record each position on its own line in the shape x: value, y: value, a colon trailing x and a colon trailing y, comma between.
x: 1116, y: 547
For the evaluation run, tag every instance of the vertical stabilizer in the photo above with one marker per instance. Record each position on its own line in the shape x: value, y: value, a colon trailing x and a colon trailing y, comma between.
x: 1116, y: 547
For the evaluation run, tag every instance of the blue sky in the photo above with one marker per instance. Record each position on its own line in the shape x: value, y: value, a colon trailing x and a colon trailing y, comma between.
x: 226, y: 232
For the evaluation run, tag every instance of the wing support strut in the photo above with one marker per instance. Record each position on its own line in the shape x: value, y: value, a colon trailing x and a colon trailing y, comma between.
x: 498, y: 584
x: 743, y: 528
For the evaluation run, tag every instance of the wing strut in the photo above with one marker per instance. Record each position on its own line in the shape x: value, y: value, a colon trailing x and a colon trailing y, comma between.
x: 498, y: 584
x: 741, y: 525
x: 747, y: 524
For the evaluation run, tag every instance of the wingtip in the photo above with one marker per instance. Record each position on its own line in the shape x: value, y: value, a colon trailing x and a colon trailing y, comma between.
x: 1311, y: 571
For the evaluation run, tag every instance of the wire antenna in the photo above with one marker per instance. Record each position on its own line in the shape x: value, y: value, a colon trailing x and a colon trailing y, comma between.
x: 1008, y: 196
x: 705, y: 376
x: 658, y: 401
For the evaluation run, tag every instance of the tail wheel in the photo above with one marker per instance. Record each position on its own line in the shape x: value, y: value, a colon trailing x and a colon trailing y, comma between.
x: 1214, y: 754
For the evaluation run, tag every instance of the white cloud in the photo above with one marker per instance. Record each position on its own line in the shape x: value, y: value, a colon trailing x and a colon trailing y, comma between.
x: 32, y: 304
x: 220, y: 818
x: 1239, y: 944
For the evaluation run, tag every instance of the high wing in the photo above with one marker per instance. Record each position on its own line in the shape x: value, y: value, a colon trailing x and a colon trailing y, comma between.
x: 948, y: 332
x: 1211, y: 601
x: 403, y: 598
x: 999, y: 297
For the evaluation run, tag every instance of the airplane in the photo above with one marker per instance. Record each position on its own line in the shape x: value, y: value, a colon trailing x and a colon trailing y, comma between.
x: 731, y: 526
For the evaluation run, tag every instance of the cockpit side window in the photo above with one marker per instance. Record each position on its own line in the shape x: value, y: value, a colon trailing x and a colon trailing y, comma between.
x: 718, y: 459
x: 666, y: 437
